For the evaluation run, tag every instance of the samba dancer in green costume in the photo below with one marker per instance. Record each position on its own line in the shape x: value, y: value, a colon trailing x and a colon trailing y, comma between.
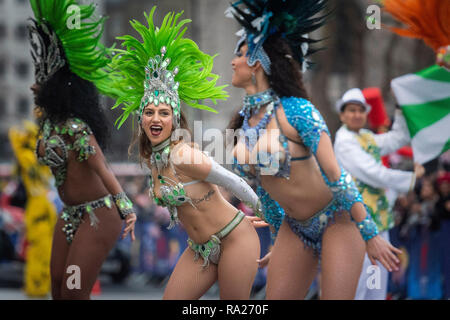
x: 67, y: 62
x: 155, y: 76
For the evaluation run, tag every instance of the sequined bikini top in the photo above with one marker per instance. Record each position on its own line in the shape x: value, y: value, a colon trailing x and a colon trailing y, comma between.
x: 278, y: 163
x: 173, y: 194
x: 56, y: 150
x: 309, y: 124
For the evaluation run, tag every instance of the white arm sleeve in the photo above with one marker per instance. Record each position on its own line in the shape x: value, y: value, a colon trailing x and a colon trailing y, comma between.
x: 364, y: 167
x: 234, y: 184
x: 396, y: 138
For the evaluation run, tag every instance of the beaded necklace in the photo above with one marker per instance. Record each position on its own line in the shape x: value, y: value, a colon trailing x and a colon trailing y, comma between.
x: 160, y: 155
x: 172, y: 192
x: 252, y: 104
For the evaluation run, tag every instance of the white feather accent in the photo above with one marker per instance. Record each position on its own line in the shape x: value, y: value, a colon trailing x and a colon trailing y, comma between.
x: 229, y: 12
x: 241, y: 32
x: 305, y: 46
x: 257, y: 23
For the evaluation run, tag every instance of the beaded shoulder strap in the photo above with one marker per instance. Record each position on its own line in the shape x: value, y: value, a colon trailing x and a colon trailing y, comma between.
x: 81, y: 132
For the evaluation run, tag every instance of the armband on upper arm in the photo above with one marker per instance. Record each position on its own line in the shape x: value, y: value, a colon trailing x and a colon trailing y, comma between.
x: 346, y: 194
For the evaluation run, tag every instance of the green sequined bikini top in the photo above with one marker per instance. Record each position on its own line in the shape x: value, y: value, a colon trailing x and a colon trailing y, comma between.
x: 57, y: 150
x: 173, y: 195
x: 172, y: 192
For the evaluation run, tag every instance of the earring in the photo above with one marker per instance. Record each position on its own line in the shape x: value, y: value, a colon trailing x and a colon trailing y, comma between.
x: 253, y: 78
x: 139, y: 130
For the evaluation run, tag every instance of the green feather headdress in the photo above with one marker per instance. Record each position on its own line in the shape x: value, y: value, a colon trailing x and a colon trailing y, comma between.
x: 79, y: 43
x: 164, y: 62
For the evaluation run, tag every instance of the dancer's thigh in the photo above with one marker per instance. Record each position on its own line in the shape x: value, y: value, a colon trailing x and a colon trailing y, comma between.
x: 89, y: 249
x: 343, y: 252
x: 189, y: 281
x: 60, y: 250
x: 292, y: 267
x: 237, y: 265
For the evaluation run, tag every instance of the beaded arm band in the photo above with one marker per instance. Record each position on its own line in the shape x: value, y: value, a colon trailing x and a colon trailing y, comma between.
x: 256, y: 208
x: 124, y: 204
x: 345, y: 192
x: 367, y: 228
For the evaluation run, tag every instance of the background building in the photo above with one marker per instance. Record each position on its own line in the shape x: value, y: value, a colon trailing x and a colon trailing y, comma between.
x: 16, y: 69
x: 353, y: 56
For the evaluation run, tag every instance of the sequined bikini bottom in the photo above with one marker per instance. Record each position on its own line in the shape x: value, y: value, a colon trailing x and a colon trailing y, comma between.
x: 72, y: 215
x: 311, y: 230
x: 210, y: 250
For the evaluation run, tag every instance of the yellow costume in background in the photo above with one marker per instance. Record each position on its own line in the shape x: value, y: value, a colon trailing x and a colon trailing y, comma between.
x: 40, y: 213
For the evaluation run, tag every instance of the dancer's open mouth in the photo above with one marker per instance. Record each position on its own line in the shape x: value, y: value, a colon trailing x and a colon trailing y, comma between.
x: 156, y: 130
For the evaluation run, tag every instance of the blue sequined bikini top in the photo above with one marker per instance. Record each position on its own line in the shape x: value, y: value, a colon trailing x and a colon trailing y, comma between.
x: 309, y: 124
x: 278, y: 163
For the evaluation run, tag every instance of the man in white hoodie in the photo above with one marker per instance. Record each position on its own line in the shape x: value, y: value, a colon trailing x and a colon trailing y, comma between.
x: 359, y: 151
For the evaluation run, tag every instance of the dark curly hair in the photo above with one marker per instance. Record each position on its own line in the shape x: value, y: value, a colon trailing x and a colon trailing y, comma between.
x: 66, y: 95
x: 286, y: 77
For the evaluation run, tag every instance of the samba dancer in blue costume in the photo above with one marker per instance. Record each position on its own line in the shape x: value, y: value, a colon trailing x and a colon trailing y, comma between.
x: 286, y: 149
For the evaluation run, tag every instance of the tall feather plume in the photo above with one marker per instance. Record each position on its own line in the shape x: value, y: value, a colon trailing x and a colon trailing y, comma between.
x: 83, y: 50
x: 127, y: 69
x: 428, y: 20
x: 291, y: 19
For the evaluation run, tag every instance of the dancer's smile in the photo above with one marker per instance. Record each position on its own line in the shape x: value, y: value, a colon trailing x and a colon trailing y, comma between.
x: 156, y: 130
x: 157, y: 122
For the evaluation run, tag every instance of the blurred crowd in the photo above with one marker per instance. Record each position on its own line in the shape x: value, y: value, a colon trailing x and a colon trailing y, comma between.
x: 422, y: 232
x: 147, y: 261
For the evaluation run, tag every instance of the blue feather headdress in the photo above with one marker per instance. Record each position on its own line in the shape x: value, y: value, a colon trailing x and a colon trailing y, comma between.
x: 292, y: 20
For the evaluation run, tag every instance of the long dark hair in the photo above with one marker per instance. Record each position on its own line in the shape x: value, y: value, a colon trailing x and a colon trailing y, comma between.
x: 66, y: 95
x: 286, y: 77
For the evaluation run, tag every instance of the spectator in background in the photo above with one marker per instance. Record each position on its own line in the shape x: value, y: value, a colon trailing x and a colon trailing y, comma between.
x: 397, y: 279
x: 159, y: 248
x: 359, y: 152
x: 442, y: 210
x: 424, y: 274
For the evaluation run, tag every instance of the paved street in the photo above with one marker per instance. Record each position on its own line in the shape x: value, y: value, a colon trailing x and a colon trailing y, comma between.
x: 108, y: 293
x: 133, y: 289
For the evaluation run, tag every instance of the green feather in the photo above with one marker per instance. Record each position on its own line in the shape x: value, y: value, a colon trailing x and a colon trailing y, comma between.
x: 127, y: 68
x: 82, y: 47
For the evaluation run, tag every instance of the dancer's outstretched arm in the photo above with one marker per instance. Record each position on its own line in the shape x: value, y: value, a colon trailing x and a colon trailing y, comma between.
x: 195, y: 164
